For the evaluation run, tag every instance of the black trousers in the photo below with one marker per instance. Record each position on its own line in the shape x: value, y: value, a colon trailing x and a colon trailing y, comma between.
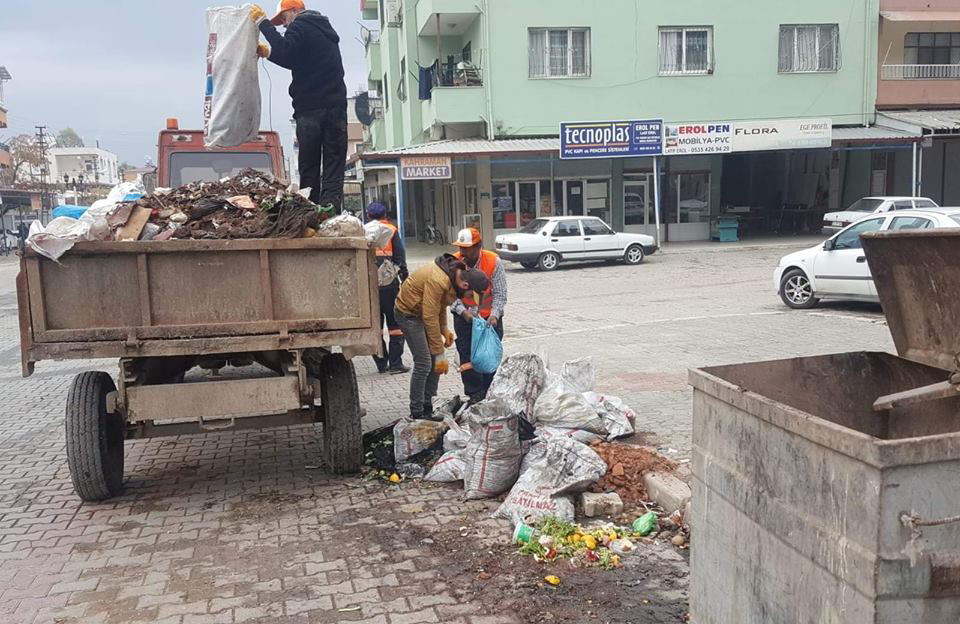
x: 475, y: 385
x: 322, y: 135
x: 394, y: 353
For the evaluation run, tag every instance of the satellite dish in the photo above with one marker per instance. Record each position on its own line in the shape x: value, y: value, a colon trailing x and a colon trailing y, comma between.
x: 362, y: 107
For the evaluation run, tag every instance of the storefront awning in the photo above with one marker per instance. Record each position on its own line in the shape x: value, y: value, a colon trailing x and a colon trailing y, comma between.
x: 470, y: 147
x: 932, y: 120
x: 921, y: 16
x: 485, y: 147
x: 873, y: 134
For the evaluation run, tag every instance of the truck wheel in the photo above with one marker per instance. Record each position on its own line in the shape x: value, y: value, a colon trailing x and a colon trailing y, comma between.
x: 342, y: 433
x: 94, y: 438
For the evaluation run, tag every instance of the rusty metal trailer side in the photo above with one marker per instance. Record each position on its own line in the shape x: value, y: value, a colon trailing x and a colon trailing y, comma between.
x: 172, y: 298
x: 166, y: 308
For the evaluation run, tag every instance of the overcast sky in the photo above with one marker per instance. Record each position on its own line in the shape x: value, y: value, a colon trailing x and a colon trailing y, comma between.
x: 114, y: 70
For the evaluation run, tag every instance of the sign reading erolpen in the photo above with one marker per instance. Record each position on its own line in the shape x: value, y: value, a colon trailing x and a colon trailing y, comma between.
x: 427, y: 168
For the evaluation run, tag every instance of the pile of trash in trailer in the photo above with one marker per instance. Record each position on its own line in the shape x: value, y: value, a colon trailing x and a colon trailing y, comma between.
x: 251, y: 204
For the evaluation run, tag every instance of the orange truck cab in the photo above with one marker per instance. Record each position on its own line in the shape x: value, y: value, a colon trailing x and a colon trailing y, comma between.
x: 182, y: 157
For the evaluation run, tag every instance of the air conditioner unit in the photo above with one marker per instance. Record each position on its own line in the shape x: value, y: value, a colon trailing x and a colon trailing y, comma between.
x: 394, y: 9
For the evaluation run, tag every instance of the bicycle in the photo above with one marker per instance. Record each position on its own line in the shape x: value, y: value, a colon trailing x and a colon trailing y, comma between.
x: 434, y: 235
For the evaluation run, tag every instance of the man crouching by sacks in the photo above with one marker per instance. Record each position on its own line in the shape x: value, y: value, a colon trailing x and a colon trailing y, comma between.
x: 421, y: 312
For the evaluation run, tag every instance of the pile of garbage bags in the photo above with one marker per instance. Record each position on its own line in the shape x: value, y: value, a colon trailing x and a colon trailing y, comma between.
x: 249, y: 205
x: 490, y: 447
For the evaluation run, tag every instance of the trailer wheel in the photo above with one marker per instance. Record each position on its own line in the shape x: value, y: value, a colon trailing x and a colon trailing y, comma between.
x: 342, y: 432
x: 94, y: 438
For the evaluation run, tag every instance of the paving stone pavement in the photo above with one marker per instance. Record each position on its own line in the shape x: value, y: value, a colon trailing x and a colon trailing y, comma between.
x: 242, y: 527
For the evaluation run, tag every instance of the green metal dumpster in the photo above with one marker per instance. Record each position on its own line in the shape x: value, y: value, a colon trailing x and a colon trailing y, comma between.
x: 814, y: 499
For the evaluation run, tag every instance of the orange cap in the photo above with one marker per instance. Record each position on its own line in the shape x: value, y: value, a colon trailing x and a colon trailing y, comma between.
x: 287, y: 5
x: 468, y: 238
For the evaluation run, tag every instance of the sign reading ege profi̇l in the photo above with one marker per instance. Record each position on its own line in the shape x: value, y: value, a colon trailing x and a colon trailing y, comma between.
x: 426, y: 168
x: 611, y: 139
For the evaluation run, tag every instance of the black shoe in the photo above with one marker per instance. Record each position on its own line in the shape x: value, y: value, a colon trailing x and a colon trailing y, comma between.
x: 399, y: 370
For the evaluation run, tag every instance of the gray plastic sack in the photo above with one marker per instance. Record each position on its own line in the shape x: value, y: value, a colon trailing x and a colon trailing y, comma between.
x: 450, y: 467
x: 494, y: 452
x: 617, y: 417
x: 561, y: 467
x: 231, y: 106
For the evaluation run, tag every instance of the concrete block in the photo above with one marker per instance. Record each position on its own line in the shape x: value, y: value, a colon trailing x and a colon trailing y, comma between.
x: 667, y: 491
x: 601, y: 504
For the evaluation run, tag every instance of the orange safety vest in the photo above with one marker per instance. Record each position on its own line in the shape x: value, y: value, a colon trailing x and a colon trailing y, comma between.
x: 487, y: 264
x: 387, y: 250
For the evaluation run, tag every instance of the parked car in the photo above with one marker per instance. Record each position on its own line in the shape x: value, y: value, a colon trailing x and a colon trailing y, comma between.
x: 838, y: 268
x: 833, y: 222
x: 545, y: 243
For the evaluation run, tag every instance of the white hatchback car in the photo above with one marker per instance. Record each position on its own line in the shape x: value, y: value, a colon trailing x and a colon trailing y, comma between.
x: 545, y: 243
x: 833, y: 222
x: 838, y: 268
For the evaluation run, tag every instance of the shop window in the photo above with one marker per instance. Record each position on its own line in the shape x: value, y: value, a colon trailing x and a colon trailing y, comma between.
x: 546, y: 200
x: 687, y: 198
x: 809, y: 48
x: 504, y: 206
x: 598, y: 199
x: 528, y: 198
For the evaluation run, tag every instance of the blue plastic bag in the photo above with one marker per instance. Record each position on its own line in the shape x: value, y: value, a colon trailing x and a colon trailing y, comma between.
x: 486, y: 351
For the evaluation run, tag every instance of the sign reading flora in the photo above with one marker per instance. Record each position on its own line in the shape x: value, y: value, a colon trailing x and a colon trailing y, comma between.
x: 611, y: 139
x: 755, y: 136
x: 426, y: 168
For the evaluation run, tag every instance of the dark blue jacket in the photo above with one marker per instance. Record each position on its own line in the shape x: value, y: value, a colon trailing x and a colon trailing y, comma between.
x: 310, y: 49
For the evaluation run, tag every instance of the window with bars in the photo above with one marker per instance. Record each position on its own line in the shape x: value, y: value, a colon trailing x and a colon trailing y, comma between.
x: 686, y: 50
x: 402, y: 83
x: 931, y: 49
x: 809, y: 48
x: 559, y: 52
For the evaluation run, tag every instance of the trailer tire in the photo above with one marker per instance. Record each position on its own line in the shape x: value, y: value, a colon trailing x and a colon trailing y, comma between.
x: 94, y: 438
x: 340, y: 402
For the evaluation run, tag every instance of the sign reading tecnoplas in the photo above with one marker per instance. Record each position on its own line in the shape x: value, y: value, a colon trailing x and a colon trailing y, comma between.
x: 611, y: 139
x: 426, y: 168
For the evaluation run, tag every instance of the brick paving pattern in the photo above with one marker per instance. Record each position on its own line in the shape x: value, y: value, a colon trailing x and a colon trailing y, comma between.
x: 244, y: 527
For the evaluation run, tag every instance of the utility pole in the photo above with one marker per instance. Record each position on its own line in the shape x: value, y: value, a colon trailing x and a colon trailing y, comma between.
x: 44, y: 197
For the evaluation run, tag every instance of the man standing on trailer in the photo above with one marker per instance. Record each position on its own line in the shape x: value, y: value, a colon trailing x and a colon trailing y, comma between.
x: 310, y: 49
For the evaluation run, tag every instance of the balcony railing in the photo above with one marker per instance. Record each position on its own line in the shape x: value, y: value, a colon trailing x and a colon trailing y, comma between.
x: 920, y: 72
x: 455, y: 72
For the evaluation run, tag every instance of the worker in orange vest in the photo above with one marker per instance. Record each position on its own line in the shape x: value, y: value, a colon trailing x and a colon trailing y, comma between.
x: 391, y: 271
x: 490, y: 307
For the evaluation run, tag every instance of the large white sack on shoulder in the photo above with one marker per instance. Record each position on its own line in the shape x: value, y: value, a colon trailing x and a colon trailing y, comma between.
x: 562, y: 467
x: 519, y: 381
x: 411, y: 437
x: 377, y: 233
x: 342, y: 226
x: 494, y: 452
x: 450, y: 467
x: 232, y: 100
x: 617, y: 417
x: 563, y: 405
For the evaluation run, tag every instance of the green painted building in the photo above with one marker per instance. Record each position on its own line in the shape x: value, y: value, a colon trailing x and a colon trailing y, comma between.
x: 487, y: 83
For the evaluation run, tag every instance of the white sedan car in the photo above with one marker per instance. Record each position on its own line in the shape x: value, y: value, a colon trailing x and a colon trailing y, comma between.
x: 545, y: 243
x: 833, y: 222
x: 838, y: 268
